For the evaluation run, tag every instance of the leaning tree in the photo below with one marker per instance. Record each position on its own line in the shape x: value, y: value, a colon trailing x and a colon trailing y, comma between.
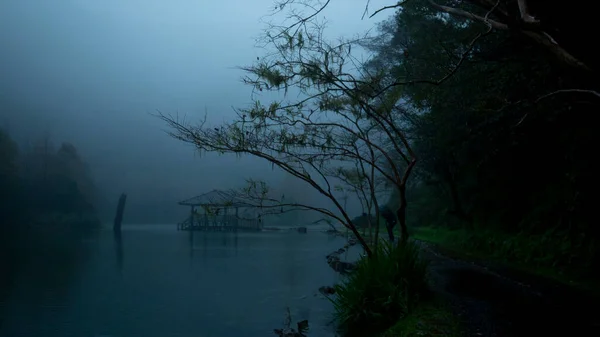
x: 340, y: 128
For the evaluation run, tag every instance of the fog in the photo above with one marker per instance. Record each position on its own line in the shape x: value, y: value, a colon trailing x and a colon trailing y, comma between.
x: 92, y: 72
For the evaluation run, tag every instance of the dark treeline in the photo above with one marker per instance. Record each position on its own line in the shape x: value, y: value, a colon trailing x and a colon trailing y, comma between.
x: 505, y: 141
x: 42, y: 183
x: 46, y: 194
x: 500, y: 110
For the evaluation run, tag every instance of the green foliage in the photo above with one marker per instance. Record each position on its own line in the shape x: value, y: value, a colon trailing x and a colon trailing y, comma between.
x: 553, y: 253
x: 382, y: 289
x: 429, y: 319
x: 492, y: 155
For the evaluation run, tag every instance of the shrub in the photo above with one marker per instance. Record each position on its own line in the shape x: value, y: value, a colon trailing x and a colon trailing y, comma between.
x: 381, y: 290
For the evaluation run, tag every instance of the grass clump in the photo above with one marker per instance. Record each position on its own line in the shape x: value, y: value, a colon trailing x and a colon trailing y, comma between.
x: 429, y: 319
x: 381, y: 290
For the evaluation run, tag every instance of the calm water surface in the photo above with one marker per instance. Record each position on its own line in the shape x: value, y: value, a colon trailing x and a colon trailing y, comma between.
x: 156, y: 281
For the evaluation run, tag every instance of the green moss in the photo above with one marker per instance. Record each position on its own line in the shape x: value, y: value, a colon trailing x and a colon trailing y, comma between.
x: 551, y: 255
x: 432, y: 318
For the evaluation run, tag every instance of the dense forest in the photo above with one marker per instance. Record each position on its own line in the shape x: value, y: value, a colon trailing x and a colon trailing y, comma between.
x: 503, y: 130
x: 43, y: 191
x: 43, y: 182
x: 499, y: 108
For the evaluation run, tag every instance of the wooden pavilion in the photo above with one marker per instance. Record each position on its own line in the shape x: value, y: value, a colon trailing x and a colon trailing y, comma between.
x: 219, y: 211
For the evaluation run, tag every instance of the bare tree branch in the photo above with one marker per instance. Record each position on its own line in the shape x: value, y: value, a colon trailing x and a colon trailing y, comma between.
x: 564, y: 91
x: 397, y: 5
x: 541, y: 38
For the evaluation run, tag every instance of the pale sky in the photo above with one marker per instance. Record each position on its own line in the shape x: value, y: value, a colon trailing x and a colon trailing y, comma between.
x: 90, y: 72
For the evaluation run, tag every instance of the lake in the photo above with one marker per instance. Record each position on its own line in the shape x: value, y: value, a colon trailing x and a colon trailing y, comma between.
x: 157, y: 281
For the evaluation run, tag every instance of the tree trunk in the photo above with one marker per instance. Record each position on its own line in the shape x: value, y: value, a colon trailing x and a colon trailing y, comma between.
x: 377, y: 223
x: 401, y: 213
x: 360, y: 239
x: 458, y: 208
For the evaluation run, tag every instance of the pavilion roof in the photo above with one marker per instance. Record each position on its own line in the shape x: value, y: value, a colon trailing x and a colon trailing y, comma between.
x: 214, y: 198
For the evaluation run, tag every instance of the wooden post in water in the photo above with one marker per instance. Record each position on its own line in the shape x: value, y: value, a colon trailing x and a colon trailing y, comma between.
x: 258, y: 222
x: 119, y: 215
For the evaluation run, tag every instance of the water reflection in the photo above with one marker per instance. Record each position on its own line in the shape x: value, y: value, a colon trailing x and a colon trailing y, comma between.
x: 51, y: 264
x: 191, y: 244
x: 118, y: 236
x: 213, y: 244
x: 235, y: 244
x: 176, y: 284
x: 290, y: 256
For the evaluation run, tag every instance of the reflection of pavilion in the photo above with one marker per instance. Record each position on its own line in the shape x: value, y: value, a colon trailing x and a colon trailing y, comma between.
x: 219, y: 211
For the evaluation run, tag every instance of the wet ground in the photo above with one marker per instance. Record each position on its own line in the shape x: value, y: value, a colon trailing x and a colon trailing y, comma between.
x: 501, y: 302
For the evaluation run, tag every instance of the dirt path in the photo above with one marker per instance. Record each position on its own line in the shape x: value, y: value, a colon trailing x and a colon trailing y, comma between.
x: 497, y: 303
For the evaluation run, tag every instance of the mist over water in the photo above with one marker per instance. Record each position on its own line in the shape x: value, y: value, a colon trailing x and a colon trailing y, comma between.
x: 92, y: 73
x: 156, y: 281
x: 79, y: 82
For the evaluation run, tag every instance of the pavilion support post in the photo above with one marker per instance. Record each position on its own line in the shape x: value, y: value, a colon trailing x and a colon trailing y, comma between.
x: 237, y: 218
x: 192, y: 217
